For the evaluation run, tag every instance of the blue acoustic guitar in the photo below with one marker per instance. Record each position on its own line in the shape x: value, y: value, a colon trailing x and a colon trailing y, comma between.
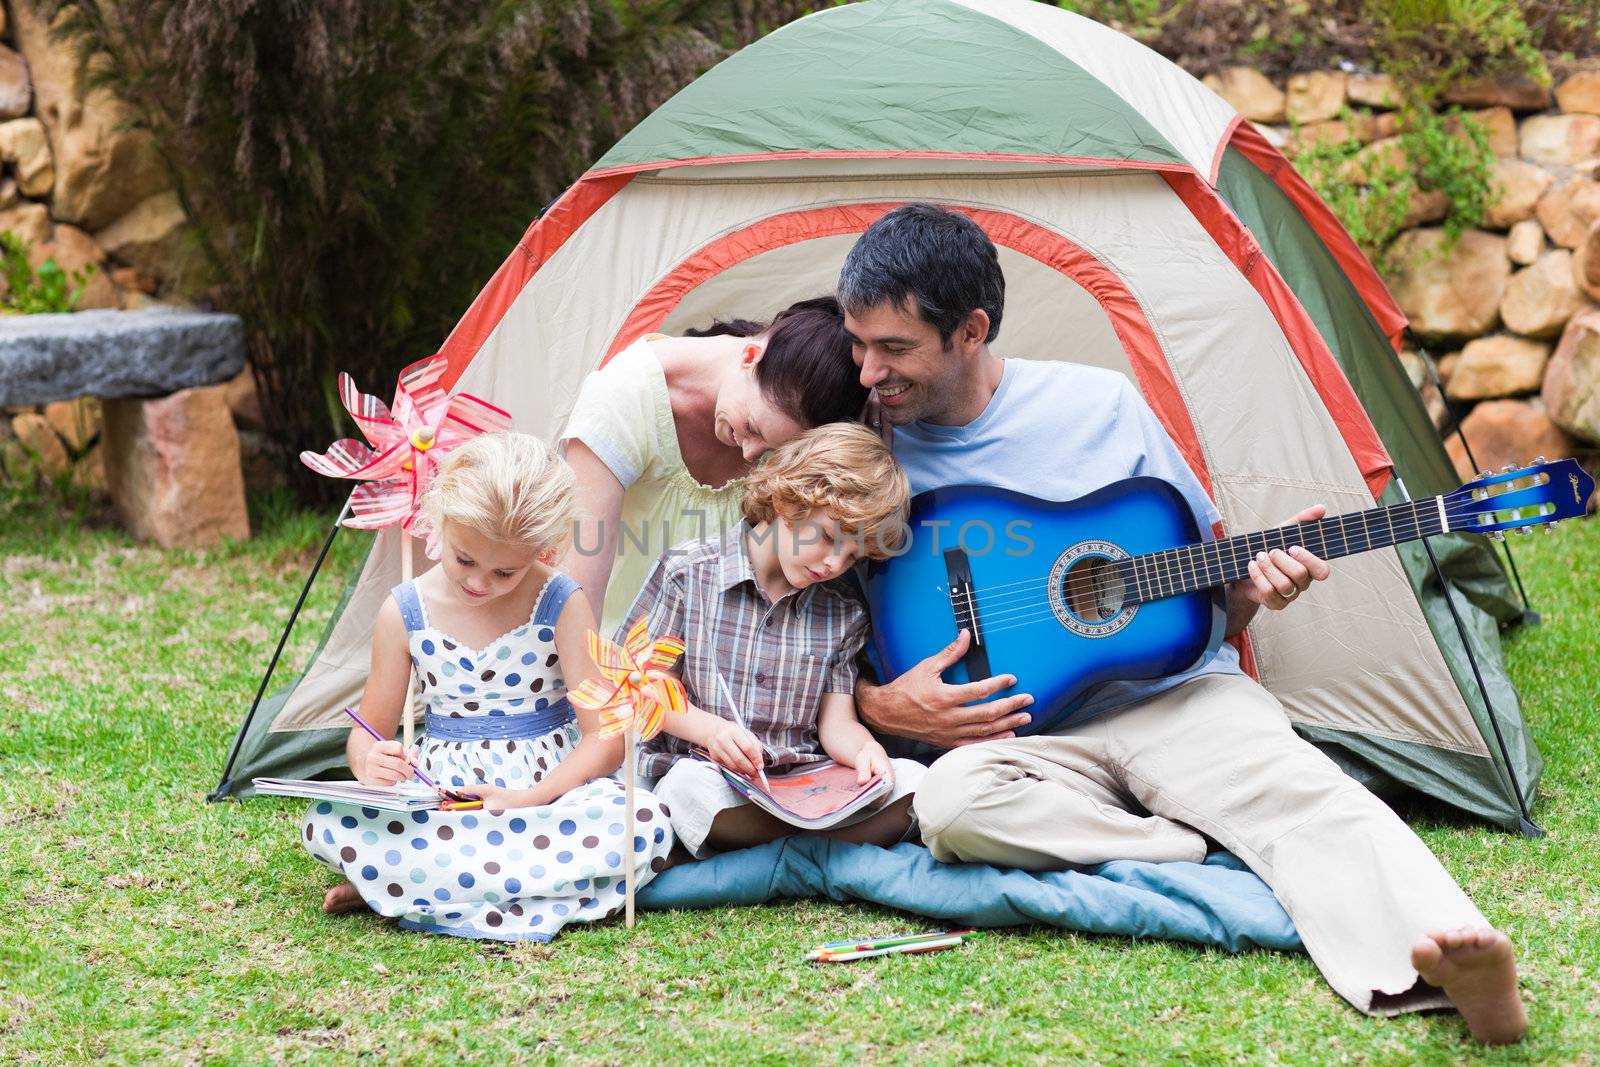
x: 1119, y: 584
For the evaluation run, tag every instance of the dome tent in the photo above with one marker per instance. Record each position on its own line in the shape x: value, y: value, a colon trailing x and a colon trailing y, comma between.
x: 1142, y: 227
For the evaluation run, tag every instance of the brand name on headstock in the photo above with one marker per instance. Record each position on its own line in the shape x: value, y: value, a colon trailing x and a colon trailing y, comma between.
x: 1576, y: 498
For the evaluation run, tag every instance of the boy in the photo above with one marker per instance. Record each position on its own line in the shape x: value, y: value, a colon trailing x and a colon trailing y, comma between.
x: 759, y: 606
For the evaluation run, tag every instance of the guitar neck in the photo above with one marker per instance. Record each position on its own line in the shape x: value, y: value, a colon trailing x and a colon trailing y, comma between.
x: 1190, y: 568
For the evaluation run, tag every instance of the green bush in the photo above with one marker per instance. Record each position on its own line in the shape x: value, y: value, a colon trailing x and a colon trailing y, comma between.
x: 36, y: 292
x: 356, y: 171
x: 1447, y: 153
x: 1428, y: 44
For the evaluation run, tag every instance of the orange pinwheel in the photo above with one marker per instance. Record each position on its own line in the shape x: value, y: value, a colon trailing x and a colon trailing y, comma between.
x: 636, y: 690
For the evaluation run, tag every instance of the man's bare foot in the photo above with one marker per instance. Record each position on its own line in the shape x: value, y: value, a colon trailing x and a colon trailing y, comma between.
x: 1475, y: 968
x: 342, y: 898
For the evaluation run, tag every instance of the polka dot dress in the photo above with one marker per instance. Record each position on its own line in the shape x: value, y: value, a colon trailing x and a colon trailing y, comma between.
x: 514, y: 875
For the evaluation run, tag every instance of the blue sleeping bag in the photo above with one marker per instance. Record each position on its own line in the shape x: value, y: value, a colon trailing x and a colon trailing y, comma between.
x: 1218, y: 902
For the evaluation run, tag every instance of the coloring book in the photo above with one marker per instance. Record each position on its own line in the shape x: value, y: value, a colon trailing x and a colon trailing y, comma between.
x: 815, y: 796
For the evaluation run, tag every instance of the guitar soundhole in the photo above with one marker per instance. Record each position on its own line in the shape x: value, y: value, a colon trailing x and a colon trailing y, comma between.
x: 1092, y: 590
x: 1087, y: 592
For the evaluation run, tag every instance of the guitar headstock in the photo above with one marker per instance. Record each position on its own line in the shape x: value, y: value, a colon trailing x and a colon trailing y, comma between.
x: 1521, y: 497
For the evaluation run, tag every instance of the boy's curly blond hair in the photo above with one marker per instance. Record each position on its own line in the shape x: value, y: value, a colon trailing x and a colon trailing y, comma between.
x: 841, y: 472
x: 509, y: 487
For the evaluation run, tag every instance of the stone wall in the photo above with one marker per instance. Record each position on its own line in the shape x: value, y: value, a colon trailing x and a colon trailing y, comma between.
x: 1509, y: 311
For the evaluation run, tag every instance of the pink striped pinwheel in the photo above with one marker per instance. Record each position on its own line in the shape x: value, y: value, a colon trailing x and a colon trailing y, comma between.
x: 407, y: 444
x: 636, y: 690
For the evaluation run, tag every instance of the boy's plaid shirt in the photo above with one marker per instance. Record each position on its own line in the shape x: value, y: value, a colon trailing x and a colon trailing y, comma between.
x: 777, y: 658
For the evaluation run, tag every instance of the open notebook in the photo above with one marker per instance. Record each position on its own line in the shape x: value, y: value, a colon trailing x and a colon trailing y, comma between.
x: 813, y: 797
x: 407, y: 796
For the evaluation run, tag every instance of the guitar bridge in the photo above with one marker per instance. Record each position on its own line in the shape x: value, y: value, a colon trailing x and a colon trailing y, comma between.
x: 964, y: 606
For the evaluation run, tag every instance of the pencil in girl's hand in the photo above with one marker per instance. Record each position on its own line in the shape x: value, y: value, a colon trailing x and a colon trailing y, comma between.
x: 376, y: 736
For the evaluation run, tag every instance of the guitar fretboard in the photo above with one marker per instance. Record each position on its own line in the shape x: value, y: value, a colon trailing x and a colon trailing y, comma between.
x: 1189, y: 568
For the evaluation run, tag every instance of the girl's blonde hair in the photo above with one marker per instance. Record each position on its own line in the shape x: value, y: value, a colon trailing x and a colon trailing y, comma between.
x: 509, y: 487
x: 843, y: 469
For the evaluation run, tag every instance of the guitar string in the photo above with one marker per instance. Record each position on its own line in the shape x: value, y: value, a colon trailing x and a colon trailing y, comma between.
x: 1023, y: 606
x: 1014, y: 605
x: 1211, y: 555
x: 1029, y: 616
x: 1419, y: 509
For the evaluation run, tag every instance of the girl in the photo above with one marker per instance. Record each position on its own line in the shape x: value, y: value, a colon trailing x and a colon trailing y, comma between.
x: 496, y: 635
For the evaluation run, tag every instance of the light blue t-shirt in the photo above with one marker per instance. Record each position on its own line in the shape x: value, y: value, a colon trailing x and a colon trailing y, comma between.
x: 1059, y: 431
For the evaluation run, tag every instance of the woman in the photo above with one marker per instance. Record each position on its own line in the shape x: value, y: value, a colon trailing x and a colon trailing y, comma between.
x: 662, y: 436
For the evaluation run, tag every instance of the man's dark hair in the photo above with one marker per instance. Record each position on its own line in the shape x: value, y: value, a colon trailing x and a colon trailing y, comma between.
x: 938, y: 259
x: 807, y: 371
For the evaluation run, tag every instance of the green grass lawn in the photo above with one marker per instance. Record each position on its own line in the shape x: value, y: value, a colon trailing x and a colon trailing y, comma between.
x: 147, y: 924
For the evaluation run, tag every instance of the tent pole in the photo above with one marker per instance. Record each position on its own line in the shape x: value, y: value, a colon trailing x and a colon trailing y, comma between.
x: 1529, y: 616
x: 225, y: 786
x: 1526, y: 824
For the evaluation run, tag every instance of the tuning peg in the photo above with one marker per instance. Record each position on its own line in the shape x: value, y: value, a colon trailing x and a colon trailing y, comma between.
x: 1549, y: 527
x: 1508, y: 468
x: 1538, y: 460
x: 1525, y: 530
x: 1497, y: 535
x: 1486, y: 473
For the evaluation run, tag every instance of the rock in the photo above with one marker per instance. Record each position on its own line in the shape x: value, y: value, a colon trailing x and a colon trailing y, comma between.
x: 89, y: 473
x: 1517, y: 92
x: 1586, y: 264
x: 1572, y: 380
x: 16, y: 88
x: 34, y: 431
x: 1384, y: 125
x: 1567, y: 211
x: 103, y: 167
x: 1249, y: 93
x: 1454, y: 294
x: 115, y: 353
x: 1503, y: 432
x: 150, y: 237
x: 1580, y: 93
x: 172, y: 467
x: 1315, y: 96
x: 138, y: 280
x: 8, y: 192
x: 1520, y: 185
x: 1560, y: 140
x: 27, y: 220
x: 1540, y: 299
x: 1372, y: 90
x: 1438, y: 410
x: 76, y: 422
x: 262, y: 470
x: 244, y: 401
x: 1412, y: 363
x: 76, y: 252
x: 23, y: 144
x: 1425, y: 206
x: 1500, y: 126
x: 1498, y: 366
x: 1331, y: 132
x: 1375, y: 161
x: 1525, y: 243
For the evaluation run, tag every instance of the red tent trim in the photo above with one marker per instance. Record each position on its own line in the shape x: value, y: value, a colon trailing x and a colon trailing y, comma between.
x: 543, y: 239
x: 1321, y: 369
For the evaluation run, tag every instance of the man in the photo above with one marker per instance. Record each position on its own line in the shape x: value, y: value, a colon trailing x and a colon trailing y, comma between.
x: 1147, y: 770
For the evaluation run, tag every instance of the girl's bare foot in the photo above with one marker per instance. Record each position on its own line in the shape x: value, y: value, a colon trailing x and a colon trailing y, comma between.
x: 1475, y: 968
x: 342, y: 898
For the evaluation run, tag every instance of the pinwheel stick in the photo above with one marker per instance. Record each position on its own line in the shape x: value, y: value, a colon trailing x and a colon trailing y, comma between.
x: 407, y: 572
x: 629, y: 761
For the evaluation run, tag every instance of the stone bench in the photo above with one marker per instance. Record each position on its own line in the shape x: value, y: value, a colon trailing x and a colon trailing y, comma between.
x: 168, y: 440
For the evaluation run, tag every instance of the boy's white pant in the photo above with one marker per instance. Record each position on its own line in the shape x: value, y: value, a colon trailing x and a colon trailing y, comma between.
x: 1215, y: 756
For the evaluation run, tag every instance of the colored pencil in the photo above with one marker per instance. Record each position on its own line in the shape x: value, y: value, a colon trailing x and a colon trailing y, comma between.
x: 738, y: 716
x: 376, y: 736
x: 914, y: 947
x: 885, y: 942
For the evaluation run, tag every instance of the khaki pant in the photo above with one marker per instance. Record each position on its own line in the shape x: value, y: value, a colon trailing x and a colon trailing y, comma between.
x: 1217, y: 756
